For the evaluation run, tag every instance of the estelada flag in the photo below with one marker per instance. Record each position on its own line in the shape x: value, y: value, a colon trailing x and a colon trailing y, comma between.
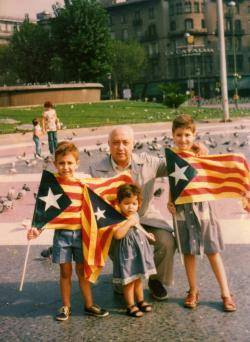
x: 51, y: 200
x: 98, y: 221
x: 207, y: 178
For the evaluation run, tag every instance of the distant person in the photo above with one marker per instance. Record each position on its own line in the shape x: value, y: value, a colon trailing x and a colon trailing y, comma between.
x: 37, y: 132
x: 198, y: 226
x: 133, y: 255
x: 67, y: 242
x: 50, y: 124
x: 127, y: 93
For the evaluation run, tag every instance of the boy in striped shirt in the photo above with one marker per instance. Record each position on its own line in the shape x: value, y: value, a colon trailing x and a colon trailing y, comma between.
x: 67, y: 242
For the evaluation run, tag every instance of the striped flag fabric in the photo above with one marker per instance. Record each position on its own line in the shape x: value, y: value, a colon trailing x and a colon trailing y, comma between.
x: 51, y: 203
x: 96, y: 238
x: 213, y: 177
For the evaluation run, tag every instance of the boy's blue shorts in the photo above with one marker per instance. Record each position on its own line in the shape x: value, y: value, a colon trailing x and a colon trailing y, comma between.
x: 67, y: 245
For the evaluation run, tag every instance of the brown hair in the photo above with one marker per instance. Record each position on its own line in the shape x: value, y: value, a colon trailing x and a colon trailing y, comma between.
x: 184, y: 121
x: 66, y: 147
x: 35, y: 121
x: 48, y: 104
x: 127, y: 191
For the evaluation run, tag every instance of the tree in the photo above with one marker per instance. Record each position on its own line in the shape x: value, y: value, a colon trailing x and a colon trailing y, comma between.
x: 7, y: 76
x: 81, y: 37
x: 172, y: 97
x: 30, y: 53
x: 127, y: 62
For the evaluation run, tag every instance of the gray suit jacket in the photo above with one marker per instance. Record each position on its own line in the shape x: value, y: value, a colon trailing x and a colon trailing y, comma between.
x: 145, y: 168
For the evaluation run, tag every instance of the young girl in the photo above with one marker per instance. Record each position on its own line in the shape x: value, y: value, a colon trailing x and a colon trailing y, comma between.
x: 198, y: 227
x: 37, y: 132
x: 133, y: 256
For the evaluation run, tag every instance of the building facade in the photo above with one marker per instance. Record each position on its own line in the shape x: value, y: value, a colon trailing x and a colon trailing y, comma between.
x: 7, y: 27
x: 181, y: 39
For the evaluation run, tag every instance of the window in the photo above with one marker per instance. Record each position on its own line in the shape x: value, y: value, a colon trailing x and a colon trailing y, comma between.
x: 237, y: 25
x: 229, y: 25
x: 196, y: 7
x: 239, y: 43
x: 137, y: 15
x: 151, y: 13
x: 203, y: 24
x: 179, y: 8
x: 172, y: 25
x: 188, y: 7
x: 171, y: 9
x: 189, y: 24
x: 123, y: 19
x: 125, y: 34
x: 152, y: 31
x: 203, y: 6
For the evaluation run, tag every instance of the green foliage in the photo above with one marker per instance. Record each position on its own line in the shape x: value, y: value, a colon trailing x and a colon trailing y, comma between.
x: 172, y: 97
x: 7, y: 75
x: 30, y: 53
x: 127, y: 61
x: 80, y: 38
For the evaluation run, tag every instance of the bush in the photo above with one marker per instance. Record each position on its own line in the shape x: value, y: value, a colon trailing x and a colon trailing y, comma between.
x: 172, y: 97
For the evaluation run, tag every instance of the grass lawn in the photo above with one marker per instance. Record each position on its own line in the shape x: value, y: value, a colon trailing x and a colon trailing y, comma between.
x: 109, y: 113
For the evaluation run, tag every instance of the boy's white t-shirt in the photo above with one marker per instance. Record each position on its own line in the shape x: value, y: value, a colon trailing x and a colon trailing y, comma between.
x: 50, y: 120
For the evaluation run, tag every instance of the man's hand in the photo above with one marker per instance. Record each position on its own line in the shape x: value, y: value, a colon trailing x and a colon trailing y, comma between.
x: 33, y: 233
x: 171, y: 208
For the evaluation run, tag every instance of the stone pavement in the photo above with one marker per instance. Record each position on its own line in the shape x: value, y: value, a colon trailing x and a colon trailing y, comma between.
x: 29, y: 315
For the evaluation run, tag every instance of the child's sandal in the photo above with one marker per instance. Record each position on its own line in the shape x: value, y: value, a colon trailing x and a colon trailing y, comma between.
x: 191, y: 300
x: 134, y: 311
x: 144, y: 306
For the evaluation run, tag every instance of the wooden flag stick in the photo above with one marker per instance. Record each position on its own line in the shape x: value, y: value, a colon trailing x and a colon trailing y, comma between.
x: 178, y: 238
x: 25, y: 265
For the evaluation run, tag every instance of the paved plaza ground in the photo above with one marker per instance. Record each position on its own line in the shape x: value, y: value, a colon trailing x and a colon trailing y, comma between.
x: 29, y: 315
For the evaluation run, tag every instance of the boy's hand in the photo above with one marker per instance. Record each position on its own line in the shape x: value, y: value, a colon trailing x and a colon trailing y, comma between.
x: 33, y: 233
x: 200, y: 149
x: 171, y: 208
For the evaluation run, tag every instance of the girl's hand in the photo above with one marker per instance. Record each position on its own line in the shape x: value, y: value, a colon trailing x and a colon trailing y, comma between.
x: 33, y: 233
x: 134, y: 220
x: 151, y: 237
x: 171, y: 208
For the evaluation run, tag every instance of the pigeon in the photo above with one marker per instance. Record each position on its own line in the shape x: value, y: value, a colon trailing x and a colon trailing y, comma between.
x: 11, y: 193
x: 74, y: 134
x: 46, y: 253
x: 25, y: 187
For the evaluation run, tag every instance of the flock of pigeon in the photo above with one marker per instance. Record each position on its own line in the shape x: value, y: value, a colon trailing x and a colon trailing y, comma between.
x: 237, y: 141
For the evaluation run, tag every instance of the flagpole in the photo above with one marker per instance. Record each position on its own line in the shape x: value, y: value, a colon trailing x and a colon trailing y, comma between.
x: 25, y: 265
x: 178, y: 238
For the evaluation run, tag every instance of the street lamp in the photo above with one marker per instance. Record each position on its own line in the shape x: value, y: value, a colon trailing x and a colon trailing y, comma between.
x: 109, y: 77
x: 198, y: 73
x: 236, y: 76
x: 190, y: 41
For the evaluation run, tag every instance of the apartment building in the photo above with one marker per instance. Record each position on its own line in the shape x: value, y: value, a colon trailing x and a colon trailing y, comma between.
x: 7, y: 27
x: 181, y: 39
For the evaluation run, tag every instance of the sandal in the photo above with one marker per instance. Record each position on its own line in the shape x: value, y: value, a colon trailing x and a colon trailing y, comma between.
x: 191, y: 300
x: 228, y: 304
x: 144, y: 306
x: 137, y: 313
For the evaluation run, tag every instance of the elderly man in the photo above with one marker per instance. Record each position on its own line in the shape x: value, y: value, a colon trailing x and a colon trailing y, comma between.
x: 144, y: 169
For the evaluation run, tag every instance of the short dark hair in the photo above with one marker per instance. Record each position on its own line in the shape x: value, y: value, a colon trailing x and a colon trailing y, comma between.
x: 127, y: 191
x: 66, y: 147
x: 184, y: 121
x: 48, y: 104
x: 35, y: 121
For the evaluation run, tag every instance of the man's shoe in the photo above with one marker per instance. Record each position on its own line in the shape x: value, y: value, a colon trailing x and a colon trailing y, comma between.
x: 158, y: 291
x: 46, y: 253
x: 96, y: 310
x: 63, y: 313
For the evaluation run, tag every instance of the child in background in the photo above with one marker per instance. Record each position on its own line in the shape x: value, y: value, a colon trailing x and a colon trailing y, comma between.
x: 50, y: 124
x: 37, y: 132
x: 133, y: 256
x: 67, y: 242
x: 199, y: 229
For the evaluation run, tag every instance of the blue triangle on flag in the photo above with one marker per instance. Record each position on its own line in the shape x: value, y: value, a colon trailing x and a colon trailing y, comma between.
x: 51, y: 200
x: 105, y: 214
x: 180, y: 173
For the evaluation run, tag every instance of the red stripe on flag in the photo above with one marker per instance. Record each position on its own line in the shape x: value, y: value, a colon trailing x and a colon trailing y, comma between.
x: 217, y: 180
x: 109, y: 181
x: 101, y: 244
x: 218, y: 168
x: 70, y: 220
x: 201, y: 191
x: 72, y: 209
x: 64, y: 181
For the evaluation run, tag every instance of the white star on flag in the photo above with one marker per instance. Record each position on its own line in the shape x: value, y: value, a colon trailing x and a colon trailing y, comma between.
x: 100, y: 214
x: 50, y: 200
x: 179, y: 173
